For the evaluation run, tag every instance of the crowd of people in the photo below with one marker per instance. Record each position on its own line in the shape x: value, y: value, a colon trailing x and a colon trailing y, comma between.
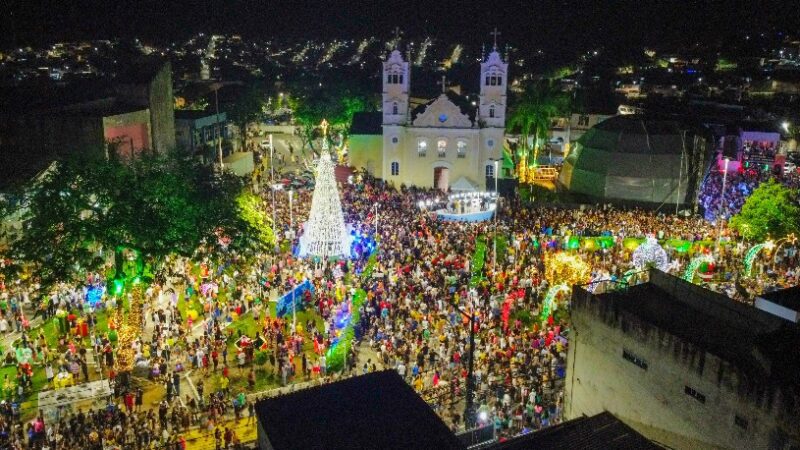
x: 428, y: 296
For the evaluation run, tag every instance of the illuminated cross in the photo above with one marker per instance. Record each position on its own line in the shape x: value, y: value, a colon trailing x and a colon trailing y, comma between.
x: 444, y: 84
x: 495, y: 33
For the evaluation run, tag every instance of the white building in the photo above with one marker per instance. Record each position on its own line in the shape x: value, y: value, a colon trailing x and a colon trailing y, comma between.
x: 438, y: 145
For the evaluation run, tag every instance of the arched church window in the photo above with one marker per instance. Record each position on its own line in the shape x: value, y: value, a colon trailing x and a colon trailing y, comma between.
x: 395, y: 168
x: 490, y: 170
x: 461, y: 147
x: 422, y: 148
x: 394, y: 108
x: 441, y: 148
x: 491, y: 111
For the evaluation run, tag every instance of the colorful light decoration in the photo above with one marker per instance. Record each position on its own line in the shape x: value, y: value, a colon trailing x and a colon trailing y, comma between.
x: 550, y: 297
x: 752, y: 254
x: 650, y: 254
x: 695, y: 264
x: 566, y: 268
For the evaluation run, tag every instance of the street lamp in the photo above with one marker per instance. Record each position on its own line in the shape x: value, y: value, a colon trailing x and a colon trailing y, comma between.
x: 722, y: 203
x: 376, y: 220
x: 291, y: 217
x: 785, y: 126
x: 275, y: 187
x: 496, y: 211
x: 469, y: 408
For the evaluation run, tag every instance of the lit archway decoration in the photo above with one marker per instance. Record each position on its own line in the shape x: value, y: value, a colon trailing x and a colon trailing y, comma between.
x: 550, y: 297
x: 695, y: 264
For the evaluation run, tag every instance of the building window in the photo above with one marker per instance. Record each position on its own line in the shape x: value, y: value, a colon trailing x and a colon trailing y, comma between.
x: 692, y: 393
x: 494, y: 79
x: 491, y: 111
x: 394, y: 108
x: 394, y: 139
x: 422, y: 148
x: 490, y: 171
x: 462, y: 149
x: 583, y: 120
x: 490, y: 143
x: 441, y: 147
x: 740, y: 422
x: 395, y: 168
x: 394, y: 78
x: 634, y: 359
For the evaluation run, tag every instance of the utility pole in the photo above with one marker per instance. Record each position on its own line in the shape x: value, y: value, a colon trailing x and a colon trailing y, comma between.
x: 219, y: 135
x: 469, y: 408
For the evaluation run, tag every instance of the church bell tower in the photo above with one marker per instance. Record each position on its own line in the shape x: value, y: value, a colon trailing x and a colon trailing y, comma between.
x: 396, y: 82
x: 494, y: 79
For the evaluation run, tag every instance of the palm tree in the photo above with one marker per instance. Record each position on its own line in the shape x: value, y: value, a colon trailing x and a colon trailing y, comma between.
x: 539, y: 104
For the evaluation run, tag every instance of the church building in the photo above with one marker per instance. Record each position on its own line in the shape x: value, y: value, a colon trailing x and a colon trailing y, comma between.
x: 437, y: 144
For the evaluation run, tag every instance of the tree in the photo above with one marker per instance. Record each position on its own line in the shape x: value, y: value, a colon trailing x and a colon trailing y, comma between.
x: 154, y: 206
x: 336, y: 102
x: 770, y: 211
x: 533, y: 113
x: 248, y: 107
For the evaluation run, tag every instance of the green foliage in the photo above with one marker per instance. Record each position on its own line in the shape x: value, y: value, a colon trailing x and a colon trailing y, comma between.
x: 254, y: 217
x: 770, y: 211
x: 156, y: 205
x: 540, y: 103
x: 261, y: 357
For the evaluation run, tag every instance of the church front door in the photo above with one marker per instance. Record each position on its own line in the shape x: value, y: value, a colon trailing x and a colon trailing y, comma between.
x: 441, y: 178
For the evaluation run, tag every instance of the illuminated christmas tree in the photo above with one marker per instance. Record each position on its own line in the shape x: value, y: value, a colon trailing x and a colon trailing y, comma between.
x: 325, y: 233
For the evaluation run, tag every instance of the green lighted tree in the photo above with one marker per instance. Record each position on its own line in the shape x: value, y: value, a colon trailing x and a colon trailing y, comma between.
x: 770, y: 211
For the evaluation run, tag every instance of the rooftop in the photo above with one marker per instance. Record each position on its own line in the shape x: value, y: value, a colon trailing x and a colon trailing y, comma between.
x: 788, y: 298
x: 367, y: 123
x: 600, y: 432
x: 740, y: 334
x: 377, y: 410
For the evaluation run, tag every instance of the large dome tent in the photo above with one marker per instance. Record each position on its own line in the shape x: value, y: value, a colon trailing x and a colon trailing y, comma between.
x: 638, y: 159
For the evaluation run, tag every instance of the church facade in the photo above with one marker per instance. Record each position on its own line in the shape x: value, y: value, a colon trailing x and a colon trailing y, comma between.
x: 438, y: 144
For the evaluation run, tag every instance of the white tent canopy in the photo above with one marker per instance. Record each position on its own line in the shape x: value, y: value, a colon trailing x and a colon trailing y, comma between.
x: 463, y: 185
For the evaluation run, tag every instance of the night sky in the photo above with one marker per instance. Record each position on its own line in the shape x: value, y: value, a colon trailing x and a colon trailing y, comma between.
x: 556, y: 25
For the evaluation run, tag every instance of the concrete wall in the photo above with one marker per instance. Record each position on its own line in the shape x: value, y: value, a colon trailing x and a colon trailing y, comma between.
x: 653, y: 400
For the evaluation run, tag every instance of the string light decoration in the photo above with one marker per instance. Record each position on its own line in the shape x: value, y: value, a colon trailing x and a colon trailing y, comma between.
x: 550, y: 297
x: 565, y: 268
x: 650, y: 254
x: 325, y: 235
x: 695, y: 264
x: 750, y: 258
x: 129, y: 328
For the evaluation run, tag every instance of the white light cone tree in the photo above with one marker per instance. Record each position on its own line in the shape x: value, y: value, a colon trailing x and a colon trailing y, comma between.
x: 325, y: 232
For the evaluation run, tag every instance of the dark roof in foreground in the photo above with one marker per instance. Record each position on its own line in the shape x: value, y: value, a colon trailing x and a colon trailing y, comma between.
x: 367, y: 123
x: 373, y: 411
x: 600, y: 432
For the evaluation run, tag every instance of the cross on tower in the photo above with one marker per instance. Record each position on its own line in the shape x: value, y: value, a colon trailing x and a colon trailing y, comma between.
x: 444, y: 84
x: 495, y: 33
x: 396, y: 36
